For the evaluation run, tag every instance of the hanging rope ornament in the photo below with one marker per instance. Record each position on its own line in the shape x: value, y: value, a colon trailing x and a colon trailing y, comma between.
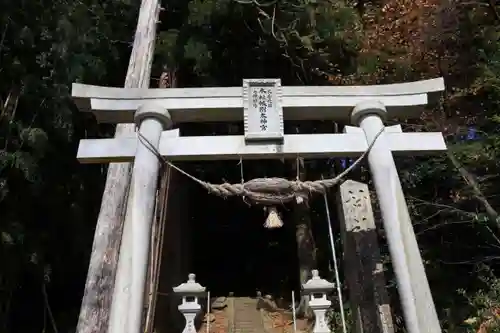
x: 273, y: 220
x: 268, y: 192
x: 240, y: 163
x: 298, y: 199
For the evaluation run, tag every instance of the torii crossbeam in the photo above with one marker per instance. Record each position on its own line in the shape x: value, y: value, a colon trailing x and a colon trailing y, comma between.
x: 118, y: 105
x: 264, y: 105
x: 233, y: 147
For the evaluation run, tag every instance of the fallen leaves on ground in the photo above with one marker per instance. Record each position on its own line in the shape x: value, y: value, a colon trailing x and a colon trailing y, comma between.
x: 218, y: 323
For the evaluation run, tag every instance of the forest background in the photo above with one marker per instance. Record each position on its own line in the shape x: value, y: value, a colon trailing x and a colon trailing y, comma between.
x: 49, y: 202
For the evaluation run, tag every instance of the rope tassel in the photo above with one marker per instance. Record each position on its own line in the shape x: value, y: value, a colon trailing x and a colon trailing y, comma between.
x: 273, y: 220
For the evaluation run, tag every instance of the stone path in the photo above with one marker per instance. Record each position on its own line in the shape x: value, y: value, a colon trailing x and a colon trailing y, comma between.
x: 247, y: 315
x: 244, y: 317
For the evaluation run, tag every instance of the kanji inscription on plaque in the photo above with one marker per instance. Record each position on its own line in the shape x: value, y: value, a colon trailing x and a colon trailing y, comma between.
x: 263, y: 114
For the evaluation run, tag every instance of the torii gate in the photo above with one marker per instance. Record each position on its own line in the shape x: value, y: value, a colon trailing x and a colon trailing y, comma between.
x: 263, y: 105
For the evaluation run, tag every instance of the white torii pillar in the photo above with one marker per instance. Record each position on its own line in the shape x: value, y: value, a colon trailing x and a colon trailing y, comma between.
x: 414, y: 291
x: 128, y: 298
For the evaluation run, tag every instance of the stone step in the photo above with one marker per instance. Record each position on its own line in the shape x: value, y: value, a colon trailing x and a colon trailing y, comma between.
x: 244, y: 316
x: 247, y: 315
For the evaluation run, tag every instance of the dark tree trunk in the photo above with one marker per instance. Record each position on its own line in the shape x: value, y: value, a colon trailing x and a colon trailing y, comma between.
x: 306, y: 248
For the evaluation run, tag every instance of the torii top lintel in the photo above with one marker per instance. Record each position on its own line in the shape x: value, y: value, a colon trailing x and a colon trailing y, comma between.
x: 118, y: 105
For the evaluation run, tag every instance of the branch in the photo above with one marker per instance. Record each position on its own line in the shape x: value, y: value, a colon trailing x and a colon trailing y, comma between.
x: 47, y: 306
x: 4, y: 33
x: 494, y: 9
x: 470, y: 262
x: 469, y: 179
x: 442, y: 225
x: 446, y: 207
x: 478, y: 194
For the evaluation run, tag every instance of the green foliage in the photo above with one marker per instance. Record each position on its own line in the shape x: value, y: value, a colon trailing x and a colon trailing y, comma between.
x: 484, y: 304
x: 44, y: 47
x: 335, y: 320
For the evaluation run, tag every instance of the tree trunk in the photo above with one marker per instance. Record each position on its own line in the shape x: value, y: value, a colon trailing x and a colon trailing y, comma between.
x: 99, y: 287
x: 306, y: 249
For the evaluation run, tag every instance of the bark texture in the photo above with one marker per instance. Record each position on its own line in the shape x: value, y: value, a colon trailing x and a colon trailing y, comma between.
x: 98, y: 294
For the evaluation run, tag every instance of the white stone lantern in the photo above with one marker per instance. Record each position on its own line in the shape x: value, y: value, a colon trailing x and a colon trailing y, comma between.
x: 317, y: 288
x: 190, y: 291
